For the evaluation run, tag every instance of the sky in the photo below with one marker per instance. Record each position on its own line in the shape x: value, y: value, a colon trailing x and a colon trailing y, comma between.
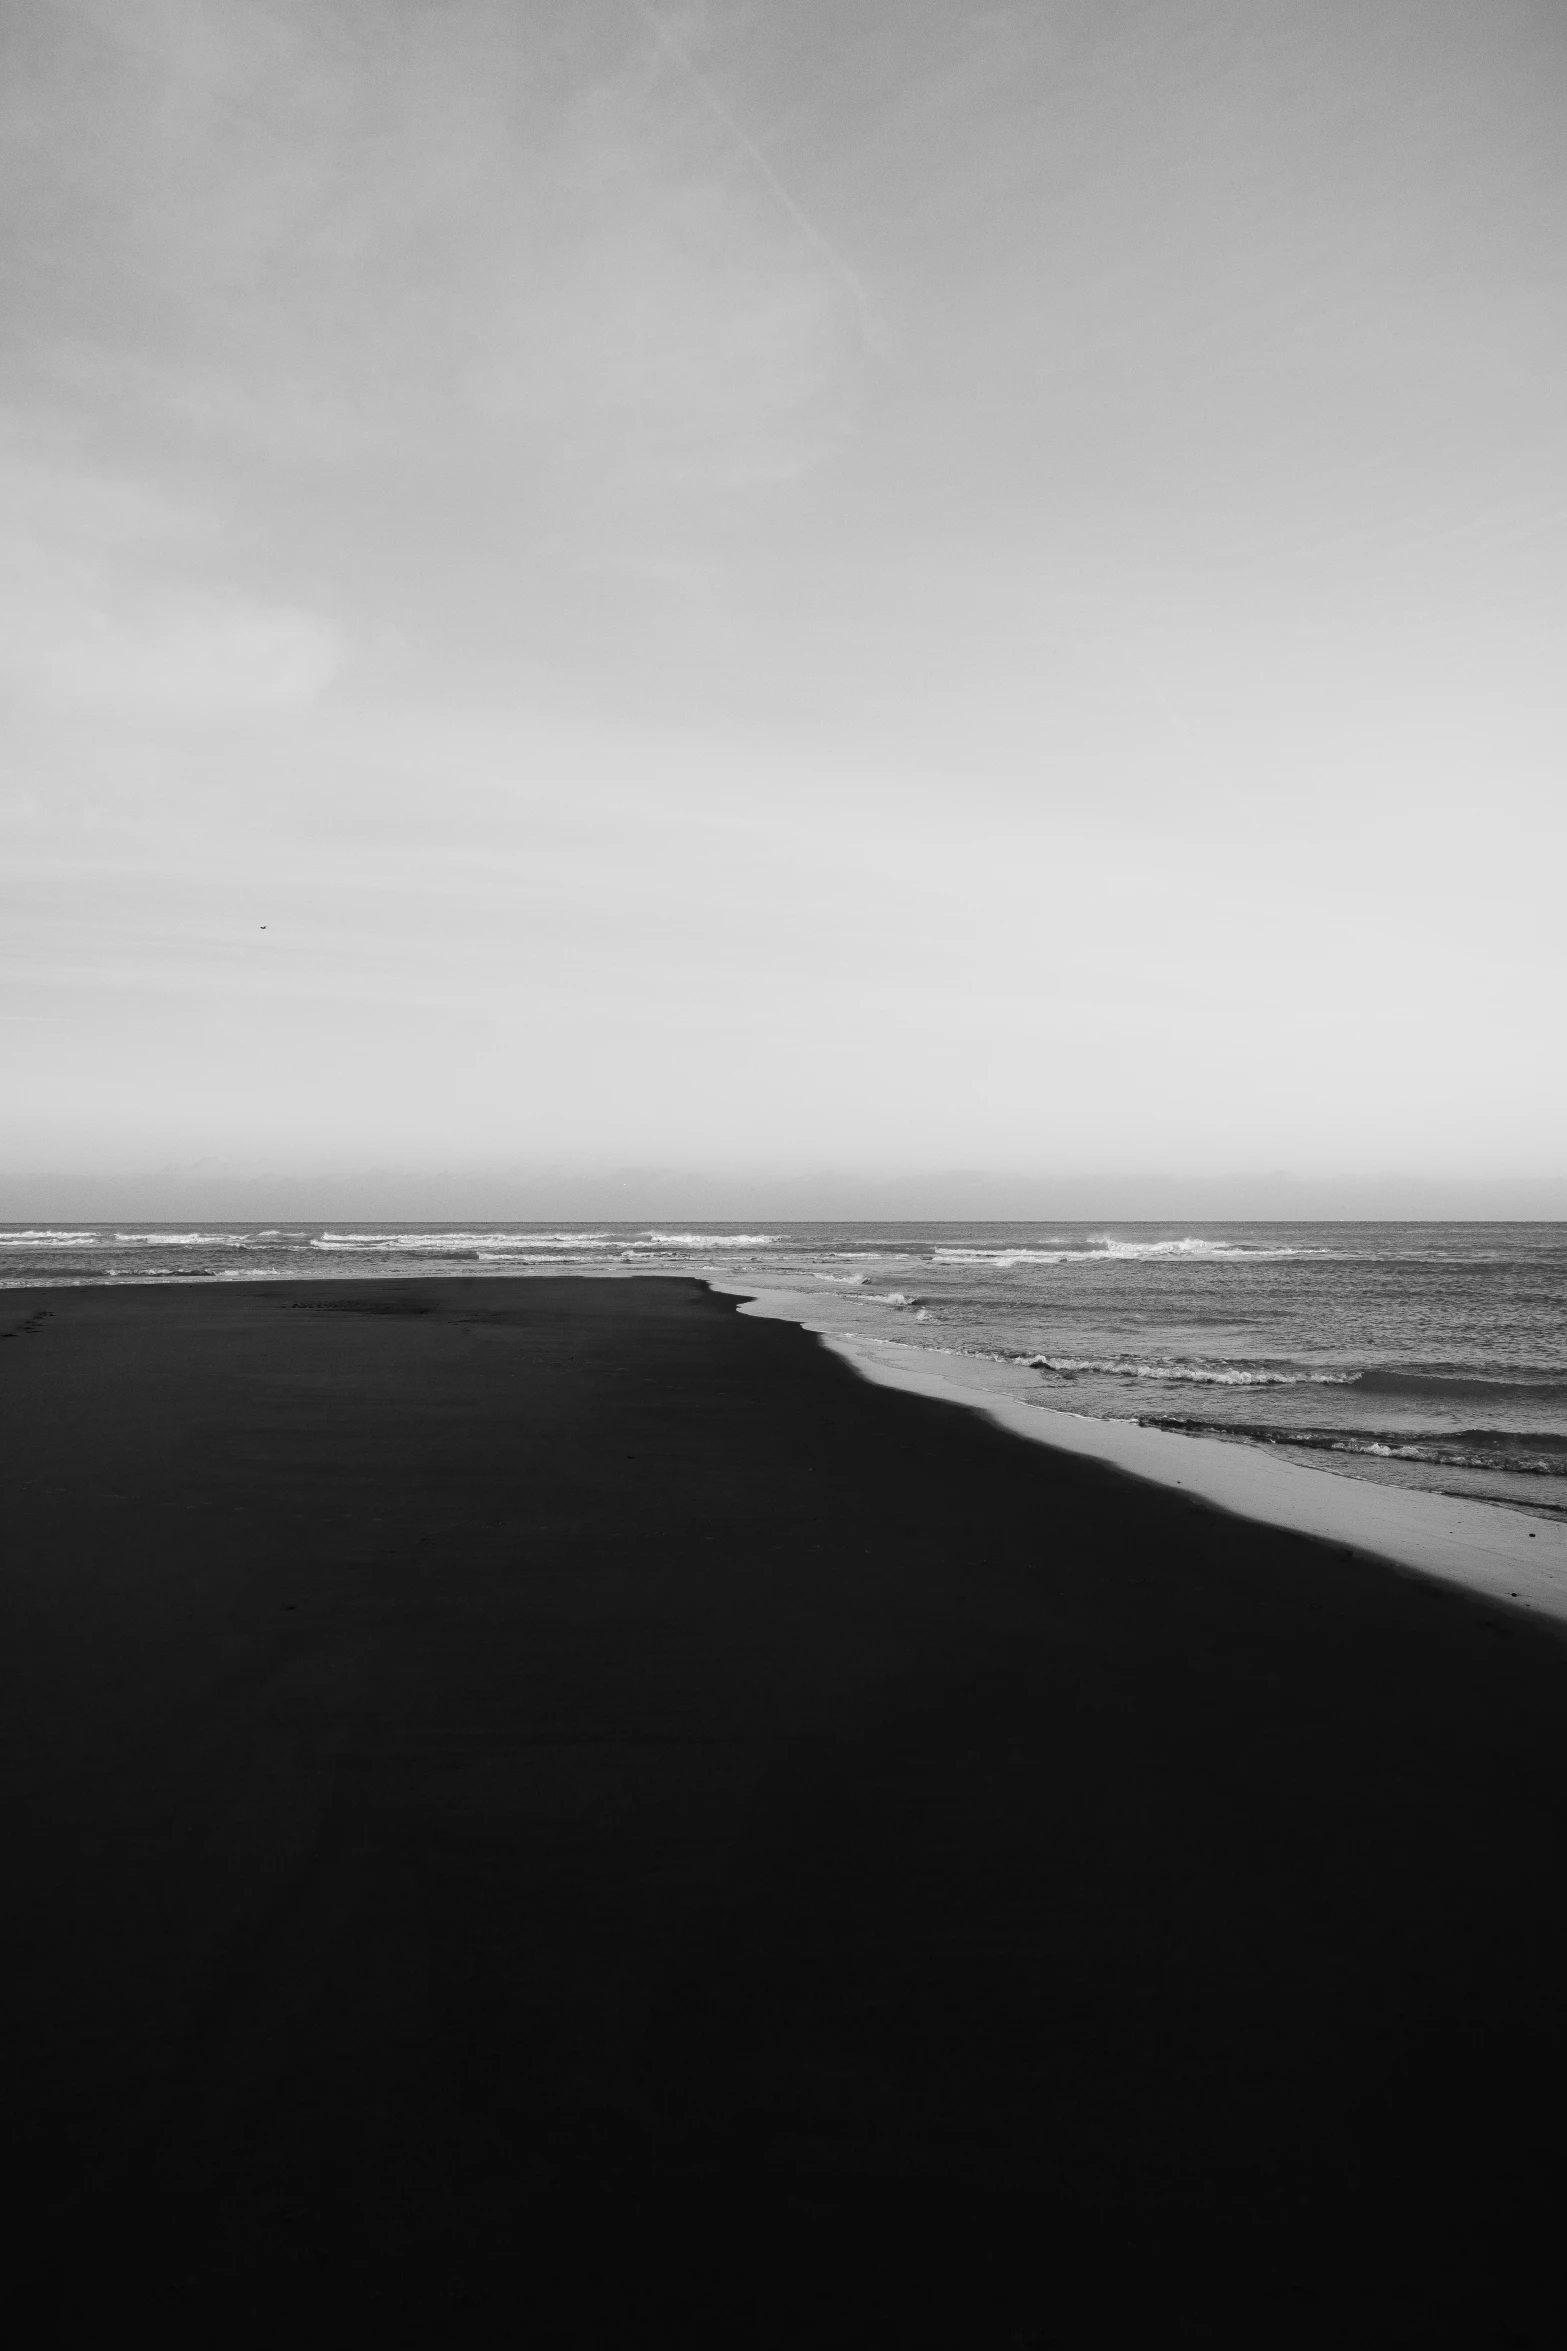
x: 816, y: 593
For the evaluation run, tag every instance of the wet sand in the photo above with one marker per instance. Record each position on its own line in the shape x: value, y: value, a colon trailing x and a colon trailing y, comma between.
x: 553, y: 1811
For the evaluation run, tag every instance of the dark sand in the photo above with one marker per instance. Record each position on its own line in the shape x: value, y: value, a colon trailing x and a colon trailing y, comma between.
x: 550, y: 1812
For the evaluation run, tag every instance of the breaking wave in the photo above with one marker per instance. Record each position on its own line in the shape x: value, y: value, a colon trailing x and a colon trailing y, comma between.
x: 1523, y: 1452
x: 1435, y: 1387
x: 713, y: 1240
x: 452, y: 1243
x: 1207, y: 1375
x: 1104, y: 1248
x: 48, y: 1237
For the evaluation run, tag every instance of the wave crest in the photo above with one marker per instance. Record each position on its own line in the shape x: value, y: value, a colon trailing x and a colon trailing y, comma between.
x: 713, y: 1240
x: 1182, y: 1374
x: 1105, y: 1249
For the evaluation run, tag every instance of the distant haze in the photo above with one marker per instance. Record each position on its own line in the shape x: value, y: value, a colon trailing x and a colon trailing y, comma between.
x: 724, y: 604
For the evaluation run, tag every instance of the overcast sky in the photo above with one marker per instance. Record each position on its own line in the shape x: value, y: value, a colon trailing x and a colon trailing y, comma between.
x: 784, y: 584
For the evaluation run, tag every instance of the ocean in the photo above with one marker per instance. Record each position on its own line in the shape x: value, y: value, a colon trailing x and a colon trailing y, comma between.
x: 1431, y: 1355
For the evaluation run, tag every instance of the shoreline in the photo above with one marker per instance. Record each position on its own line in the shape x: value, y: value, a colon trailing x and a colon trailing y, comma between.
x: 1498, y: 1551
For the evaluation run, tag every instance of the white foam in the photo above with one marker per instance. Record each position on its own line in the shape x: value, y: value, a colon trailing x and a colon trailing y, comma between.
x: 392, y: 1244
x: 1185, y: 1374
x: 547, y: 1257
x: 47, y: 1237
x: 713, y: 1240
x: 1006, y: 1257
x: 182, y: 1240
x: 1105, y: 1249
x: 1193, y: 1245
x: 77, y: 1237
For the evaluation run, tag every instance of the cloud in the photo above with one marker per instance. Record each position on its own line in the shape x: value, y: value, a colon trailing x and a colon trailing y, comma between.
x: 96, y: 617
x: 681, y: 331
x: 191, y: 659
x: 327, y: 233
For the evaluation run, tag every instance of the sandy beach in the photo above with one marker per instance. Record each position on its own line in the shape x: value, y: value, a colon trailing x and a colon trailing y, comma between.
x: 557, y: 1810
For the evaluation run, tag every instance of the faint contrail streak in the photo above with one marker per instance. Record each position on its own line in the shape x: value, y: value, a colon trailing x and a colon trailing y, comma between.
x: 802, y: 221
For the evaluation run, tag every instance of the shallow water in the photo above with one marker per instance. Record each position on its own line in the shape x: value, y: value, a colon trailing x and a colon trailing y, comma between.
x: 1416, y: 1354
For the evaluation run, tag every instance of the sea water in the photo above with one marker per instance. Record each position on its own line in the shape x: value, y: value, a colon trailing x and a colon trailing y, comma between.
x: 1429, y: 1355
